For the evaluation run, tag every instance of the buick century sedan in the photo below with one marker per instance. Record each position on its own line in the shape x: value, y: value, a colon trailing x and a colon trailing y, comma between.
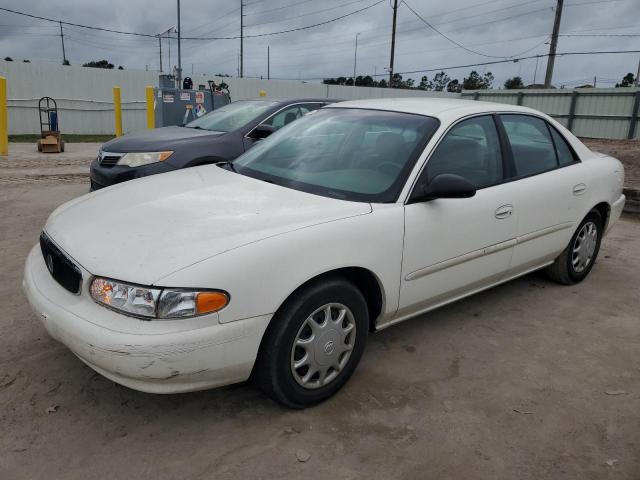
x: 277, y: 267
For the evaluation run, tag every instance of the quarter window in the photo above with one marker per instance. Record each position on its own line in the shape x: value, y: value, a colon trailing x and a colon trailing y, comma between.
x: 565, y: 154
x: 470, y: 149
x: 531, y: 144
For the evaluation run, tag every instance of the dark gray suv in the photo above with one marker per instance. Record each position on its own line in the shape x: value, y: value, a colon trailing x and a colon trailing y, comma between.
x: 219, y: 136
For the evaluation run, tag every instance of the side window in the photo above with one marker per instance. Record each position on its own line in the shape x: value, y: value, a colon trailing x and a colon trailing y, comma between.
x: 470, y: 149
x: 565, y: 154
x: 288, y: 115
x: 531, y: 144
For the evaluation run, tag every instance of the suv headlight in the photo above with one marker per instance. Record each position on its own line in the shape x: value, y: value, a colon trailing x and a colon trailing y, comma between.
x: 137, y: 159
x: 156, y: 303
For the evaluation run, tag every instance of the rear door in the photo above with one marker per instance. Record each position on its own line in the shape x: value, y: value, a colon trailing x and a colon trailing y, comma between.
x: 456, y: 246
x: 551, y: 184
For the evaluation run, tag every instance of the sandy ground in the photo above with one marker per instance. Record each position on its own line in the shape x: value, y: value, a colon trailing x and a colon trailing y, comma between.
x: 627, y: 151
x: 528, y: 380
x: 26, y: 165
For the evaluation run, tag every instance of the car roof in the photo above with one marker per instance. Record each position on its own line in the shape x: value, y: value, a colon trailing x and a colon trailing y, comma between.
x: 433, y: 106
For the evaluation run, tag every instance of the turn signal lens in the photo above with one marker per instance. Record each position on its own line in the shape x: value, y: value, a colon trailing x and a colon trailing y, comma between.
x: 208, y: 302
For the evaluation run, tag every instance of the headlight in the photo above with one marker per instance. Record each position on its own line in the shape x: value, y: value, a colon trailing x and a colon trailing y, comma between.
x: 149, y: 303
x: 136, y: 159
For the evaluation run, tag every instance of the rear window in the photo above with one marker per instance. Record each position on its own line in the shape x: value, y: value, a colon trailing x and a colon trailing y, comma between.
x: 233, y: 116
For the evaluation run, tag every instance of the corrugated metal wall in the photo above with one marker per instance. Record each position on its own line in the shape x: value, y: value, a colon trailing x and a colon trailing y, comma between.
x: 84, y: 95
x: 587, y: 112
x: 85, y: 99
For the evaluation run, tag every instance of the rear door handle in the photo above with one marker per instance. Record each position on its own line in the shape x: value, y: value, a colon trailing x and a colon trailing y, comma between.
x: 504, y: 211
x: 579, y: 189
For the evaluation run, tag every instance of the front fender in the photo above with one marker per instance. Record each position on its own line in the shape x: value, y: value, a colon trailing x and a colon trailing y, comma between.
x: 260, y: 276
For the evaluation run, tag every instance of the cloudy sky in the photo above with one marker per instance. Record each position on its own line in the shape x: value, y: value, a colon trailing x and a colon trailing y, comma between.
x: 495, y: 29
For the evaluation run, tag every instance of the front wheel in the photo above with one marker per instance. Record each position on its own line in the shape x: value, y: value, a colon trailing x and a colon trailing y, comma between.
x: 314, y: 343
x: 576, y: 261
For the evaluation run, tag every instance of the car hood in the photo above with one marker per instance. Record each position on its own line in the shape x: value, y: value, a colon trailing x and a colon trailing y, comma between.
x: 157, y: 139
x: 143, y: 230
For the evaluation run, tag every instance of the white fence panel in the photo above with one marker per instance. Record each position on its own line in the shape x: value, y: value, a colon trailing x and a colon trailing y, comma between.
x: 587, y: 112
x: 85, y: 101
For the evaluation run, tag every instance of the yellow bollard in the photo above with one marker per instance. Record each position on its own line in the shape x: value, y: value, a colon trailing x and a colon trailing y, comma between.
x: 117, y: 110
x: 151, y: 119
x: 4, y: 123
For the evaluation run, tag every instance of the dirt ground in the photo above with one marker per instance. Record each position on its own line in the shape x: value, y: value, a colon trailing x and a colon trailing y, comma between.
x: 627, y: 151
x: 528, y: 380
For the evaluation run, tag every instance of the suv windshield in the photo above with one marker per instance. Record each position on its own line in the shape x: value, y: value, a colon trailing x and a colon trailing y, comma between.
x: 232, y: 116
x: 348, y: 153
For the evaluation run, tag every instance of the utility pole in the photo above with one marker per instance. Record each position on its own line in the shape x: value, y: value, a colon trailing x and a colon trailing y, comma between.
x: 355, y: 59
x: 268, y: 64
x: 594, y: 81
x: 638, y: 75
x: 241, y: 36
x: 554, y: 43
x: 160, y: 46
x: 393, y: 40
x: 169, y: 42
x: 179, y: 69
x: 64, y: 56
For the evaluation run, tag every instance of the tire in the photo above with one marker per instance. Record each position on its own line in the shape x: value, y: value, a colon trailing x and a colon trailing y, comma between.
x: 39, y: 146
x: 275, y: 373
x: 568, y: 269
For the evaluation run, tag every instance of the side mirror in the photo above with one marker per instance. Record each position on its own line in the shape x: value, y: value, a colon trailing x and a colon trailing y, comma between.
x: 445, y: 185
x: 262, y: 131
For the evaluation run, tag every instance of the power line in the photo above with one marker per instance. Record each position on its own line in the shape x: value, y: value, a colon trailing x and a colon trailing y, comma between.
x: 493, y: 62
x: 447, y: 37
x: 291, y: 29
x: 306, y: 14
x: 281, y: 8
x: 121, y: 32
x: 601, y: 35
x: 75, y: 24
x: 565, y: 54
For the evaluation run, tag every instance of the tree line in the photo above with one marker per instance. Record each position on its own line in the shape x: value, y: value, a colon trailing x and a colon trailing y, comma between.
x: 441, y: 82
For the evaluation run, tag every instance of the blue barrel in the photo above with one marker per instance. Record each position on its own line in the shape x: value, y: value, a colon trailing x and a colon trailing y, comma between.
x: 53, y: 121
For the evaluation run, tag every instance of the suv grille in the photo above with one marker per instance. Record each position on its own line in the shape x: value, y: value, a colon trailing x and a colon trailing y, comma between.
x: 109, y: 159
x: 60, y: 267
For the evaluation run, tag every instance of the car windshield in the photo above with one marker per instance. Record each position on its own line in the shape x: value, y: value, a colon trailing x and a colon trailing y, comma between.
x: 347, y: 153
x: 232, y: 116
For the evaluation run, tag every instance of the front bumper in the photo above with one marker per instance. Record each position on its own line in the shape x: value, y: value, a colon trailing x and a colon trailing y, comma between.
x: 150, y: 356
x: 103, y: 176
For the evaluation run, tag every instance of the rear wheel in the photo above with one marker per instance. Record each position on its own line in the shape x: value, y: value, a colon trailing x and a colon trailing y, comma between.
x: 314, y: 343
x: 576, y: 261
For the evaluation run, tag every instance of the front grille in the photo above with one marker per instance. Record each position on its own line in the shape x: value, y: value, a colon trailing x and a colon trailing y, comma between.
x: 61, y: 268
x: 109, y: 159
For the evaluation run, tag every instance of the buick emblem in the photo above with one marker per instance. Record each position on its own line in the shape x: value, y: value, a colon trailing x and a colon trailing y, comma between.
x: 328, y: 347
x: 50, y: 263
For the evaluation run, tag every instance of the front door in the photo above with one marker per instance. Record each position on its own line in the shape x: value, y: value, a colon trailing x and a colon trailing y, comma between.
x: 456, y: 246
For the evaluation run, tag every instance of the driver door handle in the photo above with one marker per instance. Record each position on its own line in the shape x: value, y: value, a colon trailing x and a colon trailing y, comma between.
x: 503, y: 211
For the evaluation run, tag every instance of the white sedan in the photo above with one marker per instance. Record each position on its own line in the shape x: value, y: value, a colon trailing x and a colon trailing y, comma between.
x: 277, y: 267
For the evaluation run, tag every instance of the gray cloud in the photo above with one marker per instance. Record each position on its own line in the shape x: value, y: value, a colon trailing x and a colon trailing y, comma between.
x: 495, y: 28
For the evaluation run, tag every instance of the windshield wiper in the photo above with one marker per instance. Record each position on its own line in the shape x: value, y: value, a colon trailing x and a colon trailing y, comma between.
x: 197, y: 127
x: 227, y: 166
